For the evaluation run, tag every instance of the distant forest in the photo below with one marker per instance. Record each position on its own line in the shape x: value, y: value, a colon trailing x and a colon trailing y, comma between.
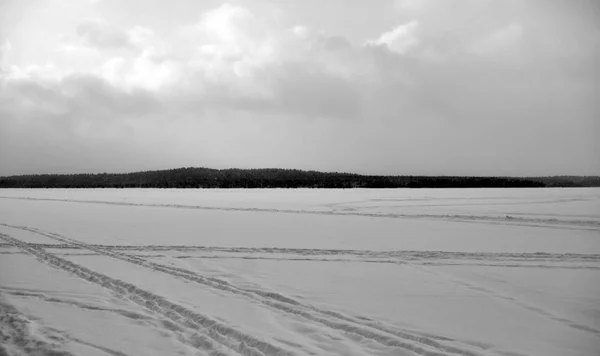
x: 279, y: 178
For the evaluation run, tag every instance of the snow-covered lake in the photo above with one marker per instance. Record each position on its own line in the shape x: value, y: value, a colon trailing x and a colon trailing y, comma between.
x: 300, y: 272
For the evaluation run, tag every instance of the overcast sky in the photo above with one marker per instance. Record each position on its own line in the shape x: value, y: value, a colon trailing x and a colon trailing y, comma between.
x: 469, y: 87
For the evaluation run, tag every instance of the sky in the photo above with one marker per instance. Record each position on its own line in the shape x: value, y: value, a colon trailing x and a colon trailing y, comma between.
x: 407, y: 87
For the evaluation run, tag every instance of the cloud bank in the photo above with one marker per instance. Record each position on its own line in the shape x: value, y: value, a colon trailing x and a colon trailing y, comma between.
x: 497, y: 89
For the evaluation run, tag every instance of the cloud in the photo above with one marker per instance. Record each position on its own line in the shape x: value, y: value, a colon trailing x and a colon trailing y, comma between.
x: 5, y: 50
x: 61, y: 124
x: 140, y: 36
x: 499, y: 41
x: 70, y: 48
x: 78, y: 97
x: 46, y: 72
x: 227, y: 23
x: 400, y: 40
x: 99, y: 34
x: 93, y: 35
x: 234, y: 89
x: 409, y: 4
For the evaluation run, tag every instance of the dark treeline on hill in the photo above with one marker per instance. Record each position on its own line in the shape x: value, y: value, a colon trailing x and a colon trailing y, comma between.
x: 279, y: 178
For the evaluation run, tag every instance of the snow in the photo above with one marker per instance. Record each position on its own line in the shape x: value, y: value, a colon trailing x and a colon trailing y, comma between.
x: 300, y: 272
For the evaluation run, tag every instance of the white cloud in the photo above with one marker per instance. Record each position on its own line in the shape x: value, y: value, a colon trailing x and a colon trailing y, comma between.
x: 148, y: 72
x: 73, y: 48
x: 228, y: 44
x: 46, y: 72
x: 113, y: 71
x: 400, y: 40
x: 227, y: 22
x: 300, y: 31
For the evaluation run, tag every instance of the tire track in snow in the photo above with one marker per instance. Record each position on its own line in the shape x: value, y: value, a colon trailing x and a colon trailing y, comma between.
x: 569, y: 224
x: 427, y: 345
x: 218, y: 339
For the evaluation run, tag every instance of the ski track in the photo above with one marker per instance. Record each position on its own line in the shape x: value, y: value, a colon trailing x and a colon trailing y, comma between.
x: 569, y: 224
x: 417, y: 343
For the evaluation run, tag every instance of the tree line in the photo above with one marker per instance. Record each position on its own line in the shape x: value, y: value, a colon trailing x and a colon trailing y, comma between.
x: 280, y: 178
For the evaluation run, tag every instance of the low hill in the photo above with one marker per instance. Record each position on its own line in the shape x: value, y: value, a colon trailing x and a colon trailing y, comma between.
x: 279, y: 178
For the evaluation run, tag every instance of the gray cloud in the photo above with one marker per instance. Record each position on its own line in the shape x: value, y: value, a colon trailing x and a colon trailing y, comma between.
x: 99, y: 34
x: 513, y: 96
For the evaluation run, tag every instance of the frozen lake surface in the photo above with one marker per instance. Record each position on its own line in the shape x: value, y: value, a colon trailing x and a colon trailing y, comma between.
x: 300, y: 272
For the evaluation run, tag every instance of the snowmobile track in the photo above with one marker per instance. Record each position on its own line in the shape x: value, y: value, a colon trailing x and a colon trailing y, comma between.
x: 419, y: 344
x: 218, y: 338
